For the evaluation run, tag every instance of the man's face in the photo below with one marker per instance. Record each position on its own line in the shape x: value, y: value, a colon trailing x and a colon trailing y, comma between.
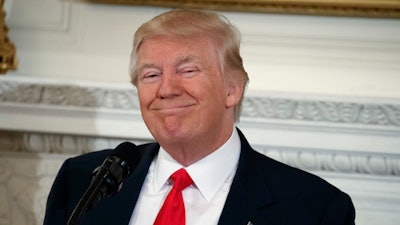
x: 182, y: 95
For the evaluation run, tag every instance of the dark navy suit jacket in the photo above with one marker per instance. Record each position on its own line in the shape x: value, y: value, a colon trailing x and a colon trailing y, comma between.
x: 263, y: 192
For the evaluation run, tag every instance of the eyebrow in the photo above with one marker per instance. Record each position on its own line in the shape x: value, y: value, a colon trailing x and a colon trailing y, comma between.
x: 147, y: 65
x: 179, y: 61
x: 186, y: 59
x: 203, y: 65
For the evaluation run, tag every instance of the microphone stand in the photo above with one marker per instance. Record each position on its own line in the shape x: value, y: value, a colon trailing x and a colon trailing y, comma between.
x: 107, y: 179
x: 95, y: 192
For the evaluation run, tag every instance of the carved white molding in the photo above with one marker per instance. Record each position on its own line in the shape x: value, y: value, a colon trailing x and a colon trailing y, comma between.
x: 317, y: 160
x: 336, y: 161
x: 59, y: 95
x: 38, y: 143
x: 336, y: 112
x: 322, y: 111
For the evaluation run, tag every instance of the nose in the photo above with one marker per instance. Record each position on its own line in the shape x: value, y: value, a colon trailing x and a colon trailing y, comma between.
x: 170, y: 85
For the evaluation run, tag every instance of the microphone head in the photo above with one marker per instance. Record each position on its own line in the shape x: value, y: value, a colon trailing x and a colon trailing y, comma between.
x: 108, y: 177
x: 129, y: 155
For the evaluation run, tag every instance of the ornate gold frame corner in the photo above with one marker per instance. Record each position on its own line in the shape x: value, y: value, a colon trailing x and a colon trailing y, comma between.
x: 359, y: 8
x: 8, y: 60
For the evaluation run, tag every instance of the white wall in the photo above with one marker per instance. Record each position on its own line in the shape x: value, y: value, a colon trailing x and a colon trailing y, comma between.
x: 324, y: 96
x: 306, y: 54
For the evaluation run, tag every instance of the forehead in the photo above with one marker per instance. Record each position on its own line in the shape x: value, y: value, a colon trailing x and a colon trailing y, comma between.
x: 184, y: 48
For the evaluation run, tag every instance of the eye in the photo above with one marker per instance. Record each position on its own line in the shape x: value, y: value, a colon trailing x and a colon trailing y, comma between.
x: 150, y: 75
x: 189, y: 71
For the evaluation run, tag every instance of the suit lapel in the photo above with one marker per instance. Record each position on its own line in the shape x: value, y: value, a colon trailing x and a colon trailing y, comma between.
x: 248, y: 193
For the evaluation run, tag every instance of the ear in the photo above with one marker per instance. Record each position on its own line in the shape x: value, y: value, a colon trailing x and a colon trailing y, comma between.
x: 234, y: 91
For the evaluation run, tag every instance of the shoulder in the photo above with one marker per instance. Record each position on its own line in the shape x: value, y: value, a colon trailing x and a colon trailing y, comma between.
x: 285, y: 175
x: 287, y: 182
x: 304, y: 193
x: 278, y: 176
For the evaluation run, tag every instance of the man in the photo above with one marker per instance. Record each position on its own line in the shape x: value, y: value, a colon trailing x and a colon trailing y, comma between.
x: 190, y: 80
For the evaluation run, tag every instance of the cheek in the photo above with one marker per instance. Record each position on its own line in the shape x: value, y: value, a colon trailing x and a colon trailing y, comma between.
x: 145, y: 96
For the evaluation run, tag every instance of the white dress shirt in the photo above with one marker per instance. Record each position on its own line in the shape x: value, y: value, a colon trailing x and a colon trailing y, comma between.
x: 204, y: 199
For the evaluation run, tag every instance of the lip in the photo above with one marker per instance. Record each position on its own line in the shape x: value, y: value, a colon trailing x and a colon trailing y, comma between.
x: 173, y: 108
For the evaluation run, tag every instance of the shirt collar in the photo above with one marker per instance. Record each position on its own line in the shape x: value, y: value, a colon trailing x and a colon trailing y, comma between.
x: 208, y: 174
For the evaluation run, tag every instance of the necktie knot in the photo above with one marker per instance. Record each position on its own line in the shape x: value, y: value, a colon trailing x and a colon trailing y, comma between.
x: 181, y: 179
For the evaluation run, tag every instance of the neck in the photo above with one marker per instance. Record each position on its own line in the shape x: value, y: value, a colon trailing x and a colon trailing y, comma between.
x: 194, y: 150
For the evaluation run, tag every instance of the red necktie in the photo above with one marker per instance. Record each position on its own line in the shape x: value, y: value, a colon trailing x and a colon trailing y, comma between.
x: 173, y: 210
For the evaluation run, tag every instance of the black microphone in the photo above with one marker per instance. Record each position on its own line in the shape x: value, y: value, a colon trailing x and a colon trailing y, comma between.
x: 107, y: 178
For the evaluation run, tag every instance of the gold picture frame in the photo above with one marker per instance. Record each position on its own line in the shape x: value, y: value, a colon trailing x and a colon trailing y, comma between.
x: 8, y: 59
x: 359, y: 8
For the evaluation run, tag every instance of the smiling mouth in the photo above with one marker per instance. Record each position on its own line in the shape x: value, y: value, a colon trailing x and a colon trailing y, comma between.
x: 173, y: 108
